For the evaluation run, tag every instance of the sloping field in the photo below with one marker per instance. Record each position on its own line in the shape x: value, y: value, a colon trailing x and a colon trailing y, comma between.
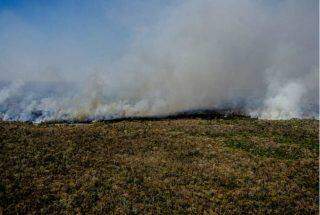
x: 162, y: 166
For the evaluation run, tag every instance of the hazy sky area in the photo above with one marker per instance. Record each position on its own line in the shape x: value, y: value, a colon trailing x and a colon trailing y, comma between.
x: 71, y: 35
x: 158, y: 57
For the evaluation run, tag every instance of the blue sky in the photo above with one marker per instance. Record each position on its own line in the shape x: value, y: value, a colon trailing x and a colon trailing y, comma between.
x: 103, y: 28
x: 74, y: 36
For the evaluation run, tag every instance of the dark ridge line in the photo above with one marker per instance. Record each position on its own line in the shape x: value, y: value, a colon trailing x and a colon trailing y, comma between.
x: 201, y: 114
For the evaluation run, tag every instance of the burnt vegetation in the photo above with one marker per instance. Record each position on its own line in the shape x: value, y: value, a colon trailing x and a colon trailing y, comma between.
x: 190, y: 114
x: 172, y: 165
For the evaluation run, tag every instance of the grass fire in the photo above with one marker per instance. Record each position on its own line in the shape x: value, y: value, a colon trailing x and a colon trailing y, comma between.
x: 159, y: 107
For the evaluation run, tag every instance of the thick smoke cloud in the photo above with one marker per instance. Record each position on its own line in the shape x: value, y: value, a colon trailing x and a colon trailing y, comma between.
x: 257, y: 57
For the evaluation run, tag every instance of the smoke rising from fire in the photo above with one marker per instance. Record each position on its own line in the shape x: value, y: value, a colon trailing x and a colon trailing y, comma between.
x: 257, y: 57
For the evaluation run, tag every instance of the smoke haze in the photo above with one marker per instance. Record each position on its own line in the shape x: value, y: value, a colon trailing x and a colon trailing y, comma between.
x: 255, y: 56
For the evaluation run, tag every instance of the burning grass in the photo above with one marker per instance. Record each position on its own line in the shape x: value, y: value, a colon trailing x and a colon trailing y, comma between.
x: 160, y: 166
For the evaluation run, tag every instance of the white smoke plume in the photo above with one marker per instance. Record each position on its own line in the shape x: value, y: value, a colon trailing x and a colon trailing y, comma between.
x: 10, y: 91
x: 251, y: 55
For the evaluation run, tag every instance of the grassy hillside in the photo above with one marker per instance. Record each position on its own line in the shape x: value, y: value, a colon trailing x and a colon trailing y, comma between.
x: 162, y: 166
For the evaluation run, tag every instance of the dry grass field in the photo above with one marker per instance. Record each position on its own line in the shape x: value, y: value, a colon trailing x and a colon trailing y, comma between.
x: 218, y: 166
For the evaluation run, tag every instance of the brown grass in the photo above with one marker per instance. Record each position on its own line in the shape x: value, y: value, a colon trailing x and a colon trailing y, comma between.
x: 166, y: 166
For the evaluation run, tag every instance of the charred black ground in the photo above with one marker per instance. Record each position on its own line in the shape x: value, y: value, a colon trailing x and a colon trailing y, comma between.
x: 206, y: 114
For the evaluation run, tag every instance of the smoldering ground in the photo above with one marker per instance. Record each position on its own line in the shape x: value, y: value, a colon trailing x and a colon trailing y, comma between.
x: 257, y: 57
